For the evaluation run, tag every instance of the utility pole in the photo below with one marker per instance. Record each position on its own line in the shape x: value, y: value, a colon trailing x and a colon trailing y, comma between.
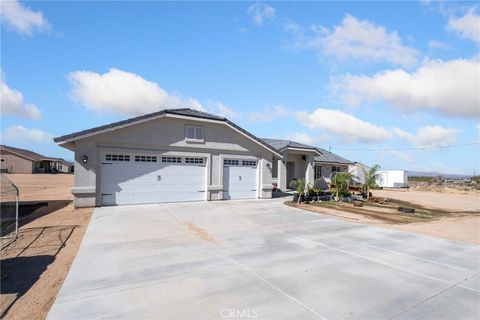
x: 329, y: 148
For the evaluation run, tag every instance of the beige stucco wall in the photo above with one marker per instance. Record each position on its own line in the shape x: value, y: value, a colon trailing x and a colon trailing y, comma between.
x: 322, y: 183
x: 15, y: 164
x: 167, y: 135
x: 303, y: 168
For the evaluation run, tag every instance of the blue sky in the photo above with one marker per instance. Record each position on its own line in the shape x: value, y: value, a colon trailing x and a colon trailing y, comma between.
x: 368, y: 79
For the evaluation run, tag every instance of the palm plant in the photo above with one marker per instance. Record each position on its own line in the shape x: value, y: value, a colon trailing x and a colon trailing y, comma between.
x: 371, y: 177
x: 342, y: 182
x: 300, y: 189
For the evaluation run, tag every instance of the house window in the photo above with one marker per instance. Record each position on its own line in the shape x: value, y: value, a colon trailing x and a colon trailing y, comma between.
x: 318, y: 171
x: 249, y: 163
x: 3, y: 160
x: 230, y: 162
x: 336, y: 169
x: 145, y: 159
x: 194, y: 160
x: 194, y: 134
x: 171, y: 159
x: 117, y: 157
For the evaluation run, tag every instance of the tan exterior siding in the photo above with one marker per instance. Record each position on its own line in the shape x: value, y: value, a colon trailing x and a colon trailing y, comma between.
x: 15, y: 164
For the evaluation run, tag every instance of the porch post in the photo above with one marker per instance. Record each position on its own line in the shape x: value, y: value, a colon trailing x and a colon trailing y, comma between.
x: 282, y: 175
x: 310, y: 170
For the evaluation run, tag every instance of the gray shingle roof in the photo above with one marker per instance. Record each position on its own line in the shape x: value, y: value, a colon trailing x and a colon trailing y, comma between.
x: 183, y: 112
x: 280, y: 144
x: 25, y: 153
x: 326, y: 156
x: 330, y: 157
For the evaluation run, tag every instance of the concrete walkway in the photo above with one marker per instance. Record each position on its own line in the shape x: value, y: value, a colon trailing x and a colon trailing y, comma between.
x: 262, y: 260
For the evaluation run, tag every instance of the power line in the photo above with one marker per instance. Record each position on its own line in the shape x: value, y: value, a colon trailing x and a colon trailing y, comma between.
x: 411, y: 148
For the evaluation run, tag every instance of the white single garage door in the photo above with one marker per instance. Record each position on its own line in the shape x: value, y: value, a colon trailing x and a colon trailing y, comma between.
x: 239, y: 179
x: 141, y: 178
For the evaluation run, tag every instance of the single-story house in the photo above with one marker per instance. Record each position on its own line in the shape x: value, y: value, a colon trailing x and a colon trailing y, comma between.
x: 168, y: 156
x: 185, y: 155
x: 301, y: 161
x: 17, y: 160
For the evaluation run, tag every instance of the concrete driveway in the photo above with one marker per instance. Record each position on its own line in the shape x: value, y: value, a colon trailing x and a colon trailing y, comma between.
x: 261, y: 259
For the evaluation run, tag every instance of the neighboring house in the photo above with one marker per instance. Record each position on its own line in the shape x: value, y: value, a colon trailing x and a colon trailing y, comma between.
x: 358, y: 170
x: 168, y: 156
x: 17, y: 160
x: 65, y: 166
x: 301, y: 161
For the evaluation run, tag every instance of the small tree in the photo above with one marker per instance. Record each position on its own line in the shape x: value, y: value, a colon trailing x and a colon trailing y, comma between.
x: 342, y: 182
x: 300, y: 189
x: 371, y: 179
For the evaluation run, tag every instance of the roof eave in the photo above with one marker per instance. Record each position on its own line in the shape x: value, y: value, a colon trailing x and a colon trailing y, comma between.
x: 67, y: 141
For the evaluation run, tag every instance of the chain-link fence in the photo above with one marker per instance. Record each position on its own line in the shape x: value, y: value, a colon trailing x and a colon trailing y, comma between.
x: 8, y: 210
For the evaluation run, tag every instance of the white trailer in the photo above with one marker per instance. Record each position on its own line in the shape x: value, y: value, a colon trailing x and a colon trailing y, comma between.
x: 392, y: 178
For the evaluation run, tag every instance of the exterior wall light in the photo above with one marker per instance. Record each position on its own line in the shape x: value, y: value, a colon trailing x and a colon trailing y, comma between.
x: 85, y: 159
x: 269, y: 166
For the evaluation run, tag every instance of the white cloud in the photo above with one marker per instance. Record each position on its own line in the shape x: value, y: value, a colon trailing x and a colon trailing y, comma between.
x: 20, y: 134
x: 270, y: 114
x: 12, y: 103
x: 22, y: 19
x: 301, y: 137
x: 354, y: 38
x: 429, y: 136
x: 446, y: 87
x: 400, y: 155
x: 222, y: 110
x: 260, y: 12
x: 435, y: 44
x: 344, y: 125
x: 120, y: 92
x: 467, y: 26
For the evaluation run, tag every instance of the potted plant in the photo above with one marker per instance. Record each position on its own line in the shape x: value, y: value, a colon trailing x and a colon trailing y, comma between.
x: 293, y: 184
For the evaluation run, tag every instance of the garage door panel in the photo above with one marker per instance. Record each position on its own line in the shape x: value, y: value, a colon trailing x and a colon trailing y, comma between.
x: 239, y: 182
x: 133, y: 182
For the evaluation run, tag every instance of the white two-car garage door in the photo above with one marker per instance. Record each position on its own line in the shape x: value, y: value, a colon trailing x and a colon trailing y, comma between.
x: 139, y: 178
x: 239, y: 179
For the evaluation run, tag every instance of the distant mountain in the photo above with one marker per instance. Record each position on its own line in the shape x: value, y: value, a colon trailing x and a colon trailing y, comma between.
x: 436, y: 174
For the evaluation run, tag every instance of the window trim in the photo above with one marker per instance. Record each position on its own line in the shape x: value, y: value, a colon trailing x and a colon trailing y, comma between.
x: 117, y: 157
x: 195, y: 160
x: 171, y: 159
x: 194, y: 139
x: 144, y: 158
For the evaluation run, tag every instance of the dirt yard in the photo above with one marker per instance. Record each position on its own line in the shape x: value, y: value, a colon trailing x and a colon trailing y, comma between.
x: 34, y: 268
x: 440, y: 200
x: 459, y: 218
x: 462, y: 227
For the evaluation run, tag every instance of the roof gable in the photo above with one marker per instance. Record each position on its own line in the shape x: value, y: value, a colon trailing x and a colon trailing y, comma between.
x: 184, y: 112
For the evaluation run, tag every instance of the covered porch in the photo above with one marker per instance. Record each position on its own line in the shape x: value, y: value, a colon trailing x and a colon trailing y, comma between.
x: 296, y: 164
